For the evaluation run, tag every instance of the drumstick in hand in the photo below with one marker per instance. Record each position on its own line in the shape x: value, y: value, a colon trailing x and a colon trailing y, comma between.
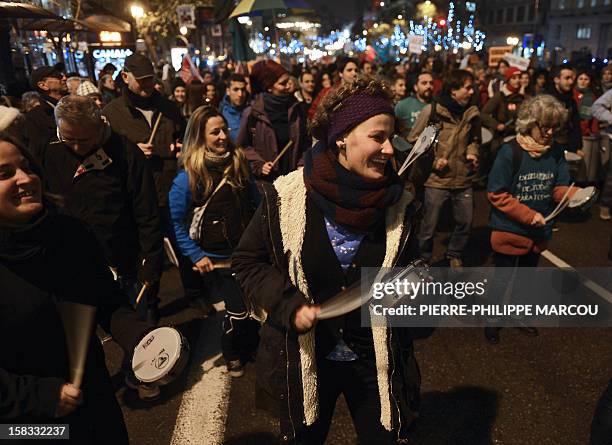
x: 283, y: 151
x: 141, y: 293
x: 222, y: 264
x: 154, y: 128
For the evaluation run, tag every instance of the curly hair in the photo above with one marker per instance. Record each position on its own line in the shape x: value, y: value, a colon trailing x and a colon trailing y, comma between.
x: 542, y: 110
x: 319, y: 126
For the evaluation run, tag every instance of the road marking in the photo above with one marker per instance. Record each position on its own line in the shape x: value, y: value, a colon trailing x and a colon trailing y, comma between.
x: 602, y: 292
x: 203, y: 411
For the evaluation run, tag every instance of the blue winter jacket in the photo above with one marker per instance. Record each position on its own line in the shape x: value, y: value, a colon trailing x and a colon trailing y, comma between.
x: 181, y: 212
x: 233, y: 116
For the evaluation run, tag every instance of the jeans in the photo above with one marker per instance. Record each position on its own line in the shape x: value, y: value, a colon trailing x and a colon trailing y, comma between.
x: 357, y: 380
x: 240, y: 333
x: 601, y: 428
x: 463, y: 211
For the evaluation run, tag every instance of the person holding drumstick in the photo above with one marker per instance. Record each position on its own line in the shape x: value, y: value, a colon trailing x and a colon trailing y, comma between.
x: 273, y: 129
x: 211, y: 202
x: 314, y: 230
x: 528, y: 176
x: 46, y: 258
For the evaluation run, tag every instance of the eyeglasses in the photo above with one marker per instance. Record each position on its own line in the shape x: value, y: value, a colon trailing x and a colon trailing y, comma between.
x: 544, y: 129
x: 72, y: 142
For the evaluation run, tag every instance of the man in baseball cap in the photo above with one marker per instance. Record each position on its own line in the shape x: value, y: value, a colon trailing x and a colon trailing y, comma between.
x: 50, y: 81
x: 152, y: 122
x: 138, y: 75
x: 39, y: 124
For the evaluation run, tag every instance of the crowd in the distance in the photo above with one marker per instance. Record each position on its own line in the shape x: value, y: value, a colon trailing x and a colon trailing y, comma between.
x: 241, y: 179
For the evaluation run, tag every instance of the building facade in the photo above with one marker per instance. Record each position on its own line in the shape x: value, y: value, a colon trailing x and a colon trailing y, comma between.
x: 579, y: 27
x: 508, y: 21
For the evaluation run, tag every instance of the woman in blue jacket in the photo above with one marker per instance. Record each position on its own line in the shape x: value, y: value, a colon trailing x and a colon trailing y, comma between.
x: 211, y: 202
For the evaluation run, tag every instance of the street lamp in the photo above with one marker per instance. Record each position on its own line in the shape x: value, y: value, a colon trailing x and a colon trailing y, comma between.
x: 513, y: 41
x: 137, y: 11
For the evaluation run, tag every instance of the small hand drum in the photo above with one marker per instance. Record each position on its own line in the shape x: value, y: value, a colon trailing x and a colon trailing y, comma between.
x: 572, y: 157
x: 161, y: 356
x: 486, y: 135
x: 583, y: 198
x: 426, y: 140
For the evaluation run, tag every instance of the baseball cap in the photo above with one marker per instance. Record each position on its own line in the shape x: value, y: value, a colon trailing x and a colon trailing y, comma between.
x: 43, y: 72
x: 139, y: 65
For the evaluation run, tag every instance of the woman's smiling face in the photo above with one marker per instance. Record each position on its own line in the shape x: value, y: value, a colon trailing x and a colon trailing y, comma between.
x: 20, y: 187
x: 367, y: 148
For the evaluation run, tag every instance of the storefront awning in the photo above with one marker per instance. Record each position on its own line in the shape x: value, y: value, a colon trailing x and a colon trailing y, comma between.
x: 25, y: 11
x: 52, y: 25
x: 101, y: 22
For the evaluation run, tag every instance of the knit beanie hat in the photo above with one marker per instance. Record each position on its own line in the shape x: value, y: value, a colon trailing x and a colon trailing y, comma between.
x: 265, y: 73
x: 86, y: 88
x: 7, y: 116
x: 354, y: 110
x: 511, y: 71
x: 178, y: 82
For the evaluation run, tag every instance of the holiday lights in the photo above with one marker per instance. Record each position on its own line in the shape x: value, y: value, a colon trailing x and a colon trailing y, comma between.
x: 386, y: 40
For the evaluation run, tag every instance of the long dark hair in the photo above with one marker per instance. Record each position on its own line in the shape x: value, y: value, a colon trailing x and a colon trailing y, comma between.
x: 48, y: 198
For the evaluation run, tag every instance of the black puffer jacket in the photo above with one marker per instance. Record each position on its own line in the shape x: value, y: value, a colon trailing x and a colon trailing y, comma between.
x: 54, y: 259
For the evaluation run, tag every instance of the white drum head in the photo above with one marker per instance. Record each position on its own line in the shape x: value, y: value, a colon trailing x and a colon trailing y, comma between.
x: 486, y: 135
x: 156, y: 354
x: 427, y: 137
x: 582, y: 196
x: 572, y: 157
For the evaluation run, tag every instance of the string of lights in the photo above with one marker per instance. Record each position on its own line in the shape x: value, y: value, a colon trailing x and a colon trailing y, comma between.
x: 448, y: 34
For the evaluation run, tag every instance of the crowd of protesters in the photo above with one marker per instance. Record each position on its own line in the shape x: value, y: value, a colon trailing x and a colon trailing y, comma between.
x: 265, y: 169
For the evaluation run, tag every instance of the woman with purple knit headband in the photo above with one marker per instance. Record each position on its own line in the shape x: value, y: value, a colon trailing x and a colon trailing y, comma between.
x: 314, y: 231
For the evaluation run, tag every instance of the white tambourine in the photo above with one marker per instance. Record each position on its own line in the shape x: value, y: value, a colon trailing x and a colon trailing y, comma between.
x: 583, y: 198
x: 426, y: 140
x: 160, y: 356
x: 486, y: 135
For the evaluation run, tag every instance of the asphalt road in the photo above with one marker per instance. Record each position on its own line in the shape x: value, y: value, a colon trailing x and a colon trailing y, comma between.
x: 523, y: 391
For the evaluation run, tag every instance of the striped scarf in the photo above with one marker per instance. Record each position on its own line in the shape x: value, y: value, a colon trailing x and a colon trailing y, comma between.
x: 343, y: 196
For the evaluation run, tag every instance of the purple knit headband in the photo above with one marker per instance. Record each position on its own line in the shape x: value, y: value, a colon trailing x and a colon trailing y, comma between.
x: 353, y: 111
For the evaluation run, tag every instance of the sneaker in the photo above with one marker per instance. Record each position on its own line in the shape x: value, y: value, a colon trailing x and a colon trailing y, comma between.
x: 604, y: 213
x: 235, y: 368
x: 455, y: 263
x: 146, y: 392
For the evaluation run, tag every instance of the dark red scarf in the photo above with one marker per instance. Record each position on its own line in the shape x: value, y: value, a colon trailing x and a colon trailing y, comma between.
x: 345, y: 197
